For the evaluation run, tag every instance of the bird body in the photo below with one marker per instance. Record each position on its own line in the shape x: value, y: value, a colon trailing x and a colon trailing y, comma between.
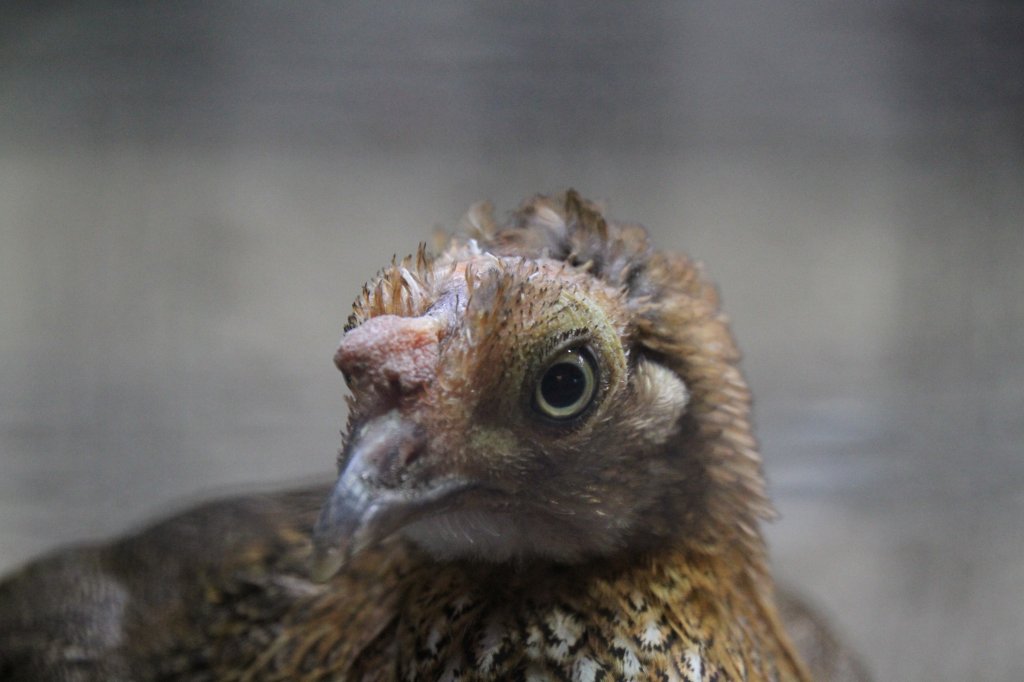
x: 239, y: 604
x: 548, y: 473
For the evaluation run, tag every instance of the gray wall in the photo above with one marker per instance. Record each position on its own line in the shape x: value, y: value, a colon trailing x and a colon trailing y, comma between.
x: 192, y: 193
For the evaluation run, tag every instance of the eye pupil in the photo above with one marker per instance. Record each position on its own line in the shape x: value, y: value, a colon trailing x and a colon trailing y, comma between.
x: 563, y: 385
x: 567, y: 386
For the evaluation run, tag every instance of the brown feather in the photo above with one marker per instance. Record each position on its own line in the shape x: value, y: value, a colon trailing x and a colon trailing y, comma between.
x: 624, y: 546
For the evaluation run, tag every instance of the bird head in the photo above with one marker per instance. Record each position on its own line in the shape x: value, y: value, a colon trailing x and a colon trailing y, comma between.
x: 549, y: 389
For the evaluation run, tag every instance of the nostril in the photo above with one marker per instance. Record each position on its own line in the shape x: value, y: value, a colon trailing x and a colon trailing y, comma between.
x: 391, y: 456
x: 409, y: 451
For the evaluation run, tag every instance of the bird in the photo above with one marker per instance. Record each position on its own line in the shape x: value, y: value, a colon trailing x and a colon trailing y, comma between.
x: 548, y: 472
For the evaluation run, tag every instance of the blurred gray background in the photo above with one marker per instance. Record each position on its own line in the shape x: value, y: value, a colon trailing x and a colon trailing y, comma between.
x: 192, y: 193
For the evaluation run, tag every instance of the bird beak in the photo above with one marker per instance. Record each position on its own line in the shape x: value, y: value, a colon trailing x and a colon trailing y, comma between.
x: 375, y: 495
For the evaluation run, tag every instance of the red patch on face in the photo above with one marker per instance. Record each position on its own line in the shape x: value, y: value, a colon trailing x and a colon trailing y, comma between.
x: 389, y: 353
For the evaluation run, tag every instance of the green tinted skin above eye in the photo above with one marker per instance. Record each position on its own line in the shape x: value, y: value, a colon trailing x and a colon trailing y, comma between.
x: 567, y: 386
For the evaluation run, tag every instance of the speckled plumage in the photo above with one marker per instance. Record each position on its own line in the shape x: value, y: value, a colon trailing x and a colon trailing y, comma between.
x: 474, y: 540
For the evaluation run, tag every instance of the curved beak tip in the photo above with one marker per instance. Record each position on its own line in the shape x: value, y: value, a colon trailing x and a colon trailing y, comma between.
x: 326, y: 563
x: 335, y: 534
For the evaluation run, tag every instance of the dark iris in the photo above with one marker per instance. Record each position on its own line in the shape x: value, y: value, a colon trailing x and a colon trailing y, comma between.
x: 567, y: 386
x: 563, y: 385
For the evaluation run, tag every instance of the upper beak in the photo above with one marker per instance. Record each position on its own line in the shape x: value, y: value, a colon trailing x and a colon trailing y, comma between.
x: 375, y: 495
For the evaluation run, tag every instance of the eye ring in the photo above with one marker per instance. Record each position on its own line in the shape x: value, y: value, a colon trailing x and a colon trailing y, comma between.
x: 567, y: 386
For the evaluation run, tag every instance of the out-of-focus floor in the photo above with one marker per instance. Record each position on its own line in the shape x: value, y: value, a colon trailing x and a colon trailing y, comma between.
x: 191, y: 195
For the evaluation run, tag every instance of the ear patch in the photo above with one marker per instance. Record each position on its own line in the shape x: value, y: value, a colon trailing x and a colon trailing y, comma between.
x: 662, y: 398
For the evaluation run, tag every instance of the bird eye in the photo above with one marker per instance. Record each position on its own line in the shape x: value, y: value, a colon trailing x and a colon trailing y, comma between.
x: 567, y: 386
